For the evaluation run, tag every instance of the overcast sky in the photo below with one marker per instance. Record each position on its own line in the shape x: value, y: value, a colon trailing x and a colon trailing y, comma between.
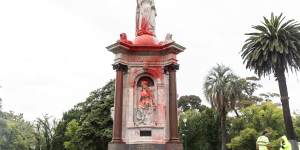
x: 52, y: 52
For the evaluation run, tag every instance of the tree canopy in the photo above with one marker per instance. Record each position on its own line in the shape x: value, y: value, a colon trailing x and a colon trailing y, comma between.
x: 89, y: 124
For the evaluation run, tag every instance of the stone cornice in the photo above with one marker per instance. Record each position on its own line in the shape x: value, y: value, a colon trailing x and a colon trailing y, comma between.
x: 121, y: 47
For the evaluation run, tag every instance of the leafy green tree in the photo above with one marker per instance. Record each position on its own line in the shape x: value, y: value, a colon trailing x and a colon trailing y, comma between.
x: 90, y: 121
x: 95, y: 129
x: 59, y: 136
x: 190, y: 102
x: 201, y: 130
x: 245, y: 141
x: 255, y: 119
x: 275, y: 48
x: 4, y: 131
x: 15, y: 132
x: 240, y: 92
x: 71, y: 132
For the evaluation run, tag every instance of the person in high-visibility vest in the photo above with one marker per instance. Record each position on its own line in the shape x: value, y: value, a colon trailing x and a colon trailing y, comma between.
x: 263, y: 142
x: 285, y: 144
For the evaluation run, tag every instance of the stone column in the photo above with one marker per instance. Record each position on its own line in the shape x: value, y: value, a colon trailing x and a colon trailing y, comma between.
x: 117, y: 125
x: 173, y: 123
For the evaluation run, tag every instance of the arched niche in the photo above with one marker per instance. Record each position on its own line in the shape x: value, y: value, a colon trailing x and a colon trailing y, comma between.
x: 150, y: 83
x: 145, y: 78
x: 145, y: 100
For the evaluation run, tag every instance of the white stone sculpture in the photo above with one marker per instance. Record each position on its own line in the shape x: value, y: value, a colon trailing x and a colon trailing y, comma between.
x: 145, y: 17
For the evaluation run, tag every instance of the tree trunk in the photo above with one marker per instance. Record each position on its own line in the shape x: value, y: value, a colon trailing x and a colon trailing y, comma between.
x: 286, y: 108
x: 223, y: 129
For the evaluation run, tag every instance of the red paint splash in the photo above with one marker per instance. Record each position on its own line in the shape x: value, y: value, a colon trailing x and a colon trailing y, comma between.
x: 145, y: 28
x: 156, y: 73
x: 145, y: 40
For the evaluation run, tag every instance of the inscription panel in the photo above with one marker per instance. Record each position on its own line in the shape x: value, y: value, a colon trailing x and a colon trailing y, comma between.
x: 145, y: 133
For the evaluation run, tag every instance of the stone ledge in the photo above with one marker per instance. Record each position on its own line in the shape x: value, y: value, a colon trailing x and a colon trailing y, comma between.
x: 167, y: 146
x: 150, y: 127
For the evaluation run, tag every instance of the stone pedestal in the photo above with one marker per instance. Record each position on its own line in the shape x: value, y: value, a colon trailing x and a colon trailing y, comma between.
x: 174, y: 146
x: 145, y: 113
x: 168, y: 146
x: 117, y: 146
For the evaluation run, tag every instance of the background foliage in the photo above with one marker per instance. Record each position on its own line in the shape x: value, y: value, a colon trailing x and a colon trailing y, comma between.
x: 88, y: 125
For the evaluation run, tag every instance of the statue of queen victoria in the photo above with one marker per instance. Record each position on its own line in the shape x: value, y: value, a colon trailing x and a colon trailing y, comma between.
x: 145, y: 17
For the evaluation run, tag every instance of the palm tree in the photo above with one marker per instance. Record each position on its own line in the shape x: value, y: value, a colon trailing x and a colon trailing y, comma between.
x: 220, y: 91
x: 275, y: 48
x: 44, y: 125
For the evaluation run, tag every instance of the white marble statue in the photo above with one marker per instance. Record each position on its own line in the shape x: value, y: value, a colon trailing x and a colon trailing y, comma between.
x: 145, y: 17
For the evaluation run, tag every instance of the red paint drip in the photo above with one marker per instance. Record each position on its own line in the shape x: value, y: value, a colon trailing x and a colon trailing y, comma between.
x: 145, y: 28
x: 156, y: 73
x: 145, y: 40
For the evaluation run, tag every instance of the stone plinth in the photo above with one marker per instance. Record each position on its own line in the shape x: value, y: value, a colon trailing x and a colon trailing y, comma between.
x: 168, y: 146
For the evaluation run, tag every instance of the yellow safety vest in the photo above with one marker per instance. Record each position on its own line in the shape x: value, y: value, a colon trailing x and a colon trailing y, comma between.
x: 285, y: 144
x: 262, y: 142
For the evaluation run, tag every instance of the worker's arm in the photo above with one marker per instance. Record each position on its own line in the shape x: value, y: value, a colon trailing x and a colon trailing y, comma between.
x: 256, y: 146
x: 269, y: 147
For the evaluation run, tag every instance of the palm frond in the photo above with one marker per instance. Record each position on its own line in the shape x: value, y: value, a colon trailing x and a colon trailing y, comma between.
x: 275, y: 44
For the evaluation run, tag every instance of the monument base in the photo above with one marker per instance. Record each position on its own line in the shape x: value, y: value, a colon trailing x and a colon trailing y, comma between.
x: 123, y: 146
x: 174, y: 146
x: 117, y: 146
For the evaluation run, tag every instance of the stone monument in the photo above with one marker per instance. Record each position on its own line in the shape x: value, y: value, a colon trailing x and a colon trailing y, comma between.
x: 145, y: 106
